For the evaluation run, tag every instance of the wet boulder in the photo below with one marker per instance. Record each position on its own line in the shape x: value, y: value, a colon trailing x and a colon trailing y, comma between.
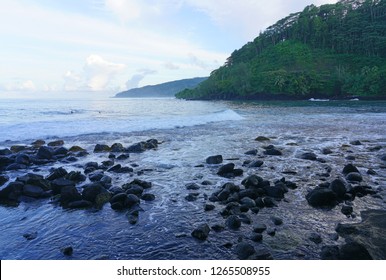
x: 255, y: 163
x: 34, y: 191
x: 259, y: 228
x: 354, y: 177
x: 327, y: 151
x: 209, y: 207
x: 148, y: 197
x: 201, y: 232
x: 96, y: 176
x: 15, y: 166
x: 22, y: 159
x: 18, y: 148
x: 56, y: 143
x: 262, y: 139
x: 226, y: 168
x: 5, y: 152
x: 338, y: 186
x: 252, y: 152
x: 136, y: 148
x: 272, y: 151
x: 5, y: 161
x: 347, y: 210
x: 354, y: 251
x: 12, y: 191
x: 329, y: 252
x: 133, y: 189
x: 151, y: 144
x: 57, y: 173
x: 315, y: 237
x: 58, y: 184
x: 349, y: 168
x: 101, y: 148
x: 61, y: 152
x: 308, y: 156
x: 67, y: 251
x: 75, y: 176
x: 36, y: 180
x: 144, y: 184
x: 117, y: 148
x: 252, y: 181
x: 3, y: 179
x: 91, y: 191
x: 76, y: 149
x: 80, y: 204
x: 217, y: 159
x: 233, y: 222
x: 276, y: 191
x: 244, y: 250
x: 321, y: 197
x: 248, y: 202
x: 69, y: 194
x: 122, y: 201
x: 45, y: 152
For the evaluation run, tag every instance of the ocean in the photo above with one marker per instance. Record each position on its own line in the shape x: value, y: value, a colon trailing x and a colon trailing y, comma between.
x: 188, y: 133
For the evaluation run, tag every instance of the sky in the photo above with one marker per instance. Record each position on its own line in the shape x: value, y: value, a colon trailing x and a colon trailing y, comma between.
x: 101, y: 47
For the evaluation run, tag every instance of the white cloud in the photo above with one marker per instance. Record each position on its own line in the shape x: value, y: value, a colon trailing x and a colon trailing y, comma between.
x: 28, y: 85
x: 171, y: 66
x: 134, y: 81
x: 19, y: 85
x: 99, y: 72
x: 72, y: 81
x: 249, y: 17
x: 195, y: 61
x: 125, y: 10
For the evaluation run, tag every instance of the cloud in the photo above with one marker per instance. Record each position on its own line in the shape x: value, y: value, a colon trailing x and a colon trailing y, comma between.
x: 171, y: 66
x: 19, y: 85
x: 72, y: 81
x: 249, y: 17
x: 194, y: 60
x: 134, y: 81
x: 97, y: 75
x: 125, y: 10
x: 99, y: 72
x: 28, y: 85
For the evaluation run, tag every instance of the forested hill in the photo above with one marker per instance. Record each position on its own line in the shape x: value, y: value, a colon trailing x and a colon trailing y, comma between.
x: 168, y: 89
x: 332, y: 51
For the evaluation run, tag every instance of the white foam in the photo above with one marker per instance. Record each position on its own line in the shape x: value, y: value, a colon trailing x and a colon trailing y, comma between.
x: 64, y: 127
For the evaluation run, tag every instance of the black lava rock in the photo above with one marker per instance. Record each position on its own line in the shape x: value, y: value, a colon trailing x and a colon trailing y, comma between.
x: 214, y: 159
x: 201, y: 232
x: 321, y: 197
x: 101, y: 148
x: 45, y: 152
x: 244, y: 250
x: 350, y: 168
x: 233, y: 222
x: 354, y: 251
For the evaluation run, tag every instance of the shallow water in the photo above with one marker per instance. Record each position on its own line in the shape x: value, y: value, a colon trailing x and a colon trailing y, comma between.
x: 189, y: 133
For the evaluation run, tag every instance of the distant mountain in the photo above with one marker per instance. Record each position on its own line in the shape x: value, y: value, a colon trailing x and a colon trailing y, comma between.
x: 332, y: 51
x: 168, y: 89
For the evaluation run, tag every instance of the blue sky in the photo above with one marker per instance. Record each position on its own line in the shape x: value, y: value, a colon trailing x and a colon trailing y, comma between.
x: 104, y: 46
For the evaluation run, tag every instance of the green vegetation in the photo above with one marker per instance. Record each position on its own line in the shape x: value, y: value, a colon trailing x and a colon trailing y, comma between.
x: 331, y: 51
x: 168, y: 89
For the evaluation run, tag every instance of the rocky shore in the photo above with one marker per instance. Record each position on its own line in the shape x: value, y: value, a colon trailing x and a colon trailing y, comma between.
x: 39, y: 171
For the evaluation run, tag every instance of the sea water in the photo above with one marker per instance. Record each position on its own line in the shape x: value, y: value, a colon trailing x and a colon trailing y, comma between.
x: 190, y: 131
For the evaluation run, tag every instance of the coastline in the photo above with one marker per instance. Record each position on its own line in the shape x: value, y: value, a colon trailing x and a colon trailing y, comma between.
x: 236, y: 192
x: 283, y: 98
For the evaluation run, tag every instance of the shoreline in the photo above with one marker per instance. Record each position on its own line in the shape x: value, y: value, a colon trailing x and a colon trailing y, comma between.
x: 92, y: 188
x: 283, y: 98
